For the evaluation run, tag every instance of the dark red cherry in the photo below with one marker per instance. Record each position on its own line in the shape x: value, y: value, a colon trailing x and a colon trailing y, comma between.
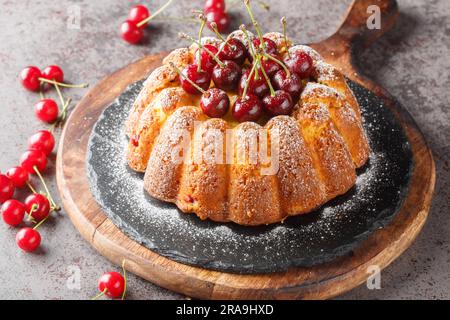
x: 271, y: 67
x: 200, y: 78
x: 279, y: 104
x: 292, y: 85
x: 207, y: 62
x: 300, y: 63
x: 257, y: 87
x: 215, y: 103
x: 248, y: 108
x: 234, y: 50
x: 271, y: 46
x: 227, y: 77
x: 214, y: 5
x: 221, y: 18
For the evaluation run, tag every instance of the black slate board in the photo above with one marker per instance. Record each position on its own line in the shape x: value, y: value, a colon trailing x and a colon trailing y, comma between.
x: 330, y: 232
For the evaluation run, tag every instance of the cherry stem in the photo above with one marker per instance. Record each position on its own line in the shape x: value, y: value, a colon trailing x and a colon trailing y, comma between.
x: 201, y: 47
x: 283, y: 22
x: 172, y: 65
x: 34, y: 207
x: 63, y: 115
x: 41, y: 91
x: 213, y: 25
x: 61, y: 98
x: 255, y: 24
x: 288, y: 73
x: 166, y: 18
x: 247, y: 83
x: 272, y: 91
x: 100, y: 294
x: 140, y: 24
x: 40, y: 222
x: 49, y: 196
x: 31, y: 187
x: 199, y: 53
x: 124, y: 279
x: 65, y: 85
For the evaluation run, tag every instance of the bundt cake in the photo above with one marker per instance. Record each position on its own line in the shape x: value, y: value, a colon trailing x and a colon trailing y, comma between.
x: 204, y: 161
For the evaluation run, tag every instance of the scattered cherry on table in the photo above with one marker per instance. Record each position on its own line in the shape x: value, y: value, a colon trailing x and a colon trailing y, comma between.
x: 6, y: 188
x: 53, y: 72
x: 38, y: 206
x: 18, y: 176
x: 28, y: 239
x: 42, y: 140
x: 30, y: 78
x: 137, y: 14
x: 130, y: 32
x: 112, y: 284
x: 13, y: 212
x: 32, y: 158
x: 46, y: 110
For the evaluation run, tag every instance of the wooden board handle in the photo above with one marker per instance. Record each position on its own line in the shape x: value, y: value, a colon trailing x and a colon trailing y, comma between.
x: 366, y: 21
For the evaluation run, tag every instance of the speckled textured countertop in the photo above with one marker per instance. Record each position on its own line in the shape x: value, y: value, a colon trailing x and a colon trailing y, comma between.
x: 412, y: 62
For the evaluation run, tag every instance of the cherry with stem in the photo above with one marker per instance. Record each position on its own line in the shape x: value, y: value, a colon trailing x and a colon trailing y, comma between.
x: 284, y: 24
x: 49, y: 196
x: 155, y: 14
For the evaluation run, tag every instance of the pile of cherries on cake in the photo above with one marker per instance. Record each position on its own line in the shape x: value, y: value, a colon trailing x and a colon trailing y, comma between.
x: 265, y: 79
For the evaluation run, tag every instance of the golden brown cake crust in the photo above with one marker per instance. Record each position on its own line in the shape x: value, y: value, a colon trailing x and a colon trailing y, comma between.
x: 318, y: 148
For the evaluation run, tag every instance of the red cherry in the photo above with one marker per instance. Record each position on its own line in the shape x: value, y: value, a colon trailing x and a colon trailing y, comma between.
x: 29, y: 78
x: 112, y: 283
x: 221, y: 18
x: 33, y: 158
x: 215, y: 103
x: 42, y: 141
x: 227, y: 77
x: 53, y: 73
x: 41, y: 206
x: 292, y: 85
x: 46, y: 110
x: 271, y: 46
x: 270, y: 67
x: 300, y: 63
x: 257, y: 87
x: 137, y: 14
x: 214, y: 5
x: 200, y: 78
x: 18, y: 176
x: 28, y: 239
x: 6, y: 188
x: 279, y: 104
x: 234, y: 50
x: 130, y: 32
x: 13, y: 212
x: 248, y: 108
x: 207, y: 62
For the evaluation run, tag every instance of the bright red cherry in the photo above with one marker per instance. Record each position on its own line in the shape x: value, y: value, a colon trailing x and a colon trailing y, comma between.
x: 112, y: 283
x: 18, y: 176
x: 292, y: 85
x: 278, y: 104
x: 227, y: 77
x: 137, y: 14
x: 214, y: 5
x: 130, y: 32
x: 221, y: 18
x: 33, y: 158
x: 29, y: 78
x: 28, y: 239
x: 270, y: 45
x: 234, y: 50
x: 258, y: 87
x: 53, y: 72
x: 300, y: 63
x: 42, y: 141
x: 41, y: 206
x: 215, y: 103
x: 13, y: 212
x: 248, y: 108
x: 46, y: 110
x: 270, y: 66
x: 200, y: 78
x: 207, y: 62
x: 6, y: 188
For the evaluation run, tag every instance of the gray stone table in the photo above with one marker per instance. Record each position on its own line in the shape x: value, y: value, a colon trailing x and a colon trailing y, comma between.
x: 412, y: 62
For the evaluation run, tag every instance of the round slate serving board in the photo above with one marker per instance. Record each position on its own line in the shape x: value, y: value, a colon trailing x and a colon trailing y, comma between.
x: 372, y: 224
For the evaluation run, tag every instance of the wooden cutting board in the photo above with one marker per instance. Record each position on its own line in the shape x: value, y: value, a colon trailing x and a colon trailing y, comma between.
x: 319, y: 282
